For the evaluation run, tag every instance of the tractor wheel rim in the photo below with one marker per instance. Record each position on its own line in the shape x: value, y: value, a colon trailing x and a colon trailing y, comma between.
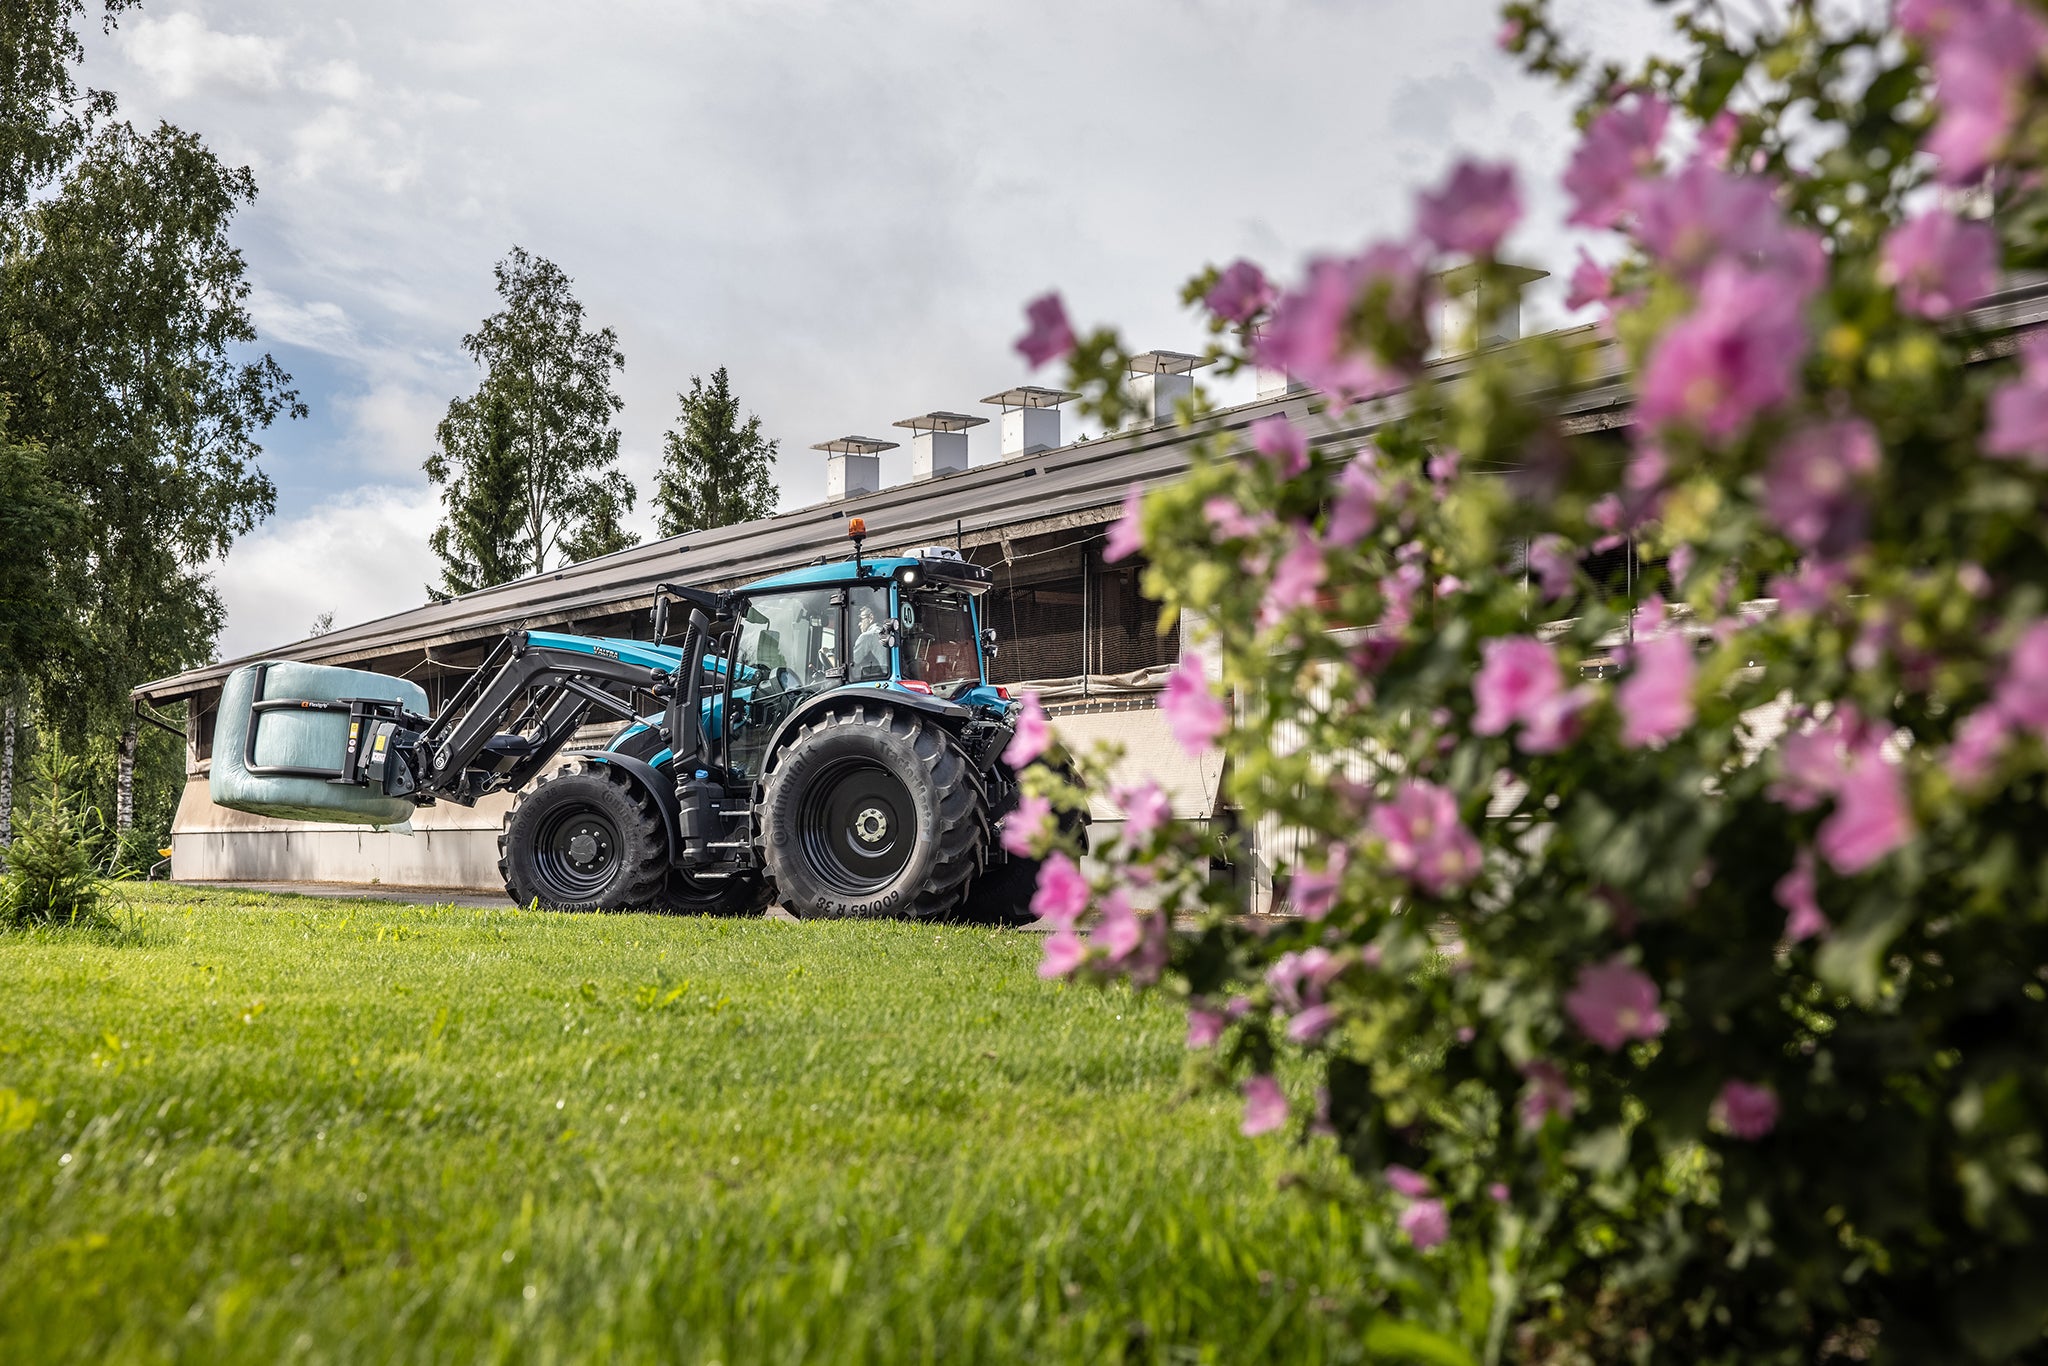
x: 858, y: 825
x: 576, y: 852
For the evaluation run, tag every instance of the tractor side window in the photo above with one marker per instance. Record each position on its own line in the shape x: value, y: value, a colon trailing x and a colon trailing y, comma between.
x: 940, y: 645
x: 786, y: 652
x: 866, y: 610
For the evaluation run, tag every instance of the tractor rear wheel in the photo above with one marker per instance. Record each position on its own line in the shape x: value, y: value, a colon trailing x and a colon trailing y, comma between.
x: 584, y: 839
x: 873, y: 812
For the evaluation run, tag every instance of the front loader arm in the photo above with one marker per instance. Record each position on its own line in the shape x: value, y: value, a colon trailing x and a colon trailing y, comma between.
x: 486, y: 740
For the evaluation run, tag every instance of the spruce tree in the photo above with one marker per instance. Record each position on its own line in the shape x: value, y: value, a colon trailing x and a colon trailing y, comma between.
x: 715, y: 470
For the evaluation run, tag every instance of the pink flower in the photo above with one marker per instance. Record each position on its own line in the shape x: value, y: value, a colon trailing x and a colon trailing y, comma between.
x: 1554, y: 565
x: 1656, y: 697
x: 1297, y: 979
x: 1509, y: 36
x: 2023, y: 693
x: 1230, y: 522
x: 1517, y: 674
x: 1195, y: 715
x: 1498, y: 1192
x: 2019, y: 414
x: 1979, y: 741
x: 1871, y: 817
x: 1590, y: 283
x: 1703, y: 215
x: 1282, y: 443
x: 1312, y: 1023
x: 1117, y: 932
x: 1146, y: 808
x: 1406, y: 1181
x: 1205, y: 1027
x: 1240, y: 293
x: 1308, y: 337
x: 1549, y: 1094
x: 1811, y: 761
x: 1425, y: 841
x: 1717, y: 138
x: 1426, y: 1224
x: 1050, y: 335
x: 1746, y: 1111
x: 1032, y: 737
x: 1551, y: 724
x: 1064, y: 952
x: 1737, y: 354
x: 1620, y: 144
x: 1613, y: 1003
x: 1295, y: 579
x: 1442, y: 467
x: 1811, y: 487
x: 1062, y: 892
x: 1472, y: 211
x: 1025, y: 824
x: 1984, y: 53
x: 1940, y: 264
x: 1265, y: 1109
x: 1795, y: 892
x: 1314, y: 891
x: 1356, y: 510
x: 1127, y: 533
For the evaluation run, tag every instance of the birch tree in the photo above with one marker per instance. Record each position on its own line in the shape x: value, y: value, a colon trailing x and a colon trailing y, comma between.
x: 540, y: 428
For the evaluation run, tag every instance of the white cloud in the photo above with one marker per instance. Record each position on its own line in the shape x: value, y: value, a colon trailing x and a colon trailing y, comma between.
x: 338, y: 80
x: 183, y: 56
x: 359, y: 556
x: 391, y: 426
x: 845, y: 205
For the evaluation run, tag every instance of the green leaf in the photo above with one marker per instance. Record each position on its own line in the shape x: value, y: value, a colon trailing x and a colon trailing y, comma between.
x: 1394, y: 1340
x: 1850, y: 960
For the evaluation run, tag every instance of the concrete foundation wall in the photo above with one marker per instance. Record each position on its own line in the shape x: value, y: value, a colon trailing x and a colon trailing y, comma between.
x: 449, y: 846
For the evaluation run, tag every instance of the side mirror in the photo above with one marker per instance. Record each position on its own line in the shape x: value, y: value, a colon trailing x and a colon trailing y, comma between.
x: 660, y: 618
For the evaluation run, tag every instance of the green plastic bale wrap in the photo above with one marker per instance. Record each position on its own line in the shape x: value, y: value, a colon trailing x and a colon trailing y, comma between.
x: 300, y: 739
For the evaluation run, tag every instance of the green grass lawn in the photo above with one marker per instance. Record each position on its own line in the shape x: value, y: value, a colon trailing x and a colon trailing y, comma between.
x: 286, y: 1129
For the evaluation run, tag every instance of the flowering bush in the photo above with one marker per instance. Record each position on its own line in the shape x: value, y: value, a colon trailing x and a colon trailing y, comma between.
x: 1670, y: 943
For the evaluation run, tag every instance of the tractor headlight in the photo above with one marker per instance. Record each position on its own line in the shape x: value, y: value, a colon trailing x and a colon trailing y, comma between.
x: 909, y: 579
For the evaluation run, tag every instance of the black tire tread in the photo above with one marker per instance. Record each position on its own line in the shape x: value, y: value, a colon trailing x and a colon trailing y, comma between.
x: 644, y: 889
x: 962, y: 806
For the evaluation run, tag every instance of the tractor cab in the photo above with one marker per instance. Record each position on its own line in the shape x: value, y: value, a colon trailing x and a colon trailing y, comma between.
x: 906, y: 624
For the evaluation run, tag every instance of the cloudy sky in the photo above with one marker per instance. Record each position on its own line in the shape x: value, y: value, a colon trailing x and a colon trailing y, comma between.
x: 844, y: 204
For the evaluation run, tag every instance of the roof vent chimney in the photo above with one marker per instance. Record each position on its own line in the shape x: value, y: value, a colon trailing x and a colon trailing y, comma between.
x: 1159, y: 380
x: 853, y: 466
x: 1031, y: 418
x: 940, y: 443
x: 1477, y: 315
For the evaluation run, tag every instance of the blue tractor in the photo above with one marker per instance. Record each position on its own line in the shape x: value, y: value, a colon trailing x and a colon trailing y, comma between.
x: 826, y: 738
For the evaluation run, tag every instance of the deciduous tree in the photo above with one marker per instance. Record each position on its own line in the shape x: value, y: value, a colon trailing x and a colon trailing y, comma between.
x: 539, y: 427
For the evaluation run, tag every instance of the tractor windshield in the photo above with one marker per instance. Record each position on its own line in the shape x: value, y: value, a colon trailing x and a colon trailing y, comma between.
x: 940, y: 646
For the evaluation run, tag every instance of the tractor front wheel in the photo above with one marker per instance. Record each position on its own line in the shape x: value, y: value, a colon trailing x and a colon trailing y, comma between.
x: 584, y: 839
x: 873, y: 812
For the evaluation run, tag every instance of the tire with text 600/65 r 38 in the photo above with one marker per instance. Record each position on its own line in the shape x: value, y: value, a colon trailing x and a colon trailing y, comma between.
x: 873, y: 812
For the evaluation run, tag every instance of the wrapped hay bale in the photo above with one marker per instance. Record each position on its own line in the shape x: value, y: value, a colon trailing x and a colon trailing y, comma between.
x: 248, y: 737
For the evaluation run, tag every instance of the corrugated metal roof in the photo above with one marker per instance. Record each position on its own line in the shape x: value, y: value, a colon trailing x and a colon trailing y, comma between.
x: 1070, y: 486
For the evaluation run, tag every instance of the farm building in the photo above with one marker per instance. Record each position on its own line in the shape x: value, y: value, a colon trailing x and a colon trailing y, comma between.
x: 1072, y: 627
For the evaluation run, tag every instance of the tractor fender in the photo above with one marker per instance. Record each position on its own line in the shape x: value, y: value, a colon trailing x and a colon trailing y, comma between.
x: 647, y: 777
x: 950, y: 714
